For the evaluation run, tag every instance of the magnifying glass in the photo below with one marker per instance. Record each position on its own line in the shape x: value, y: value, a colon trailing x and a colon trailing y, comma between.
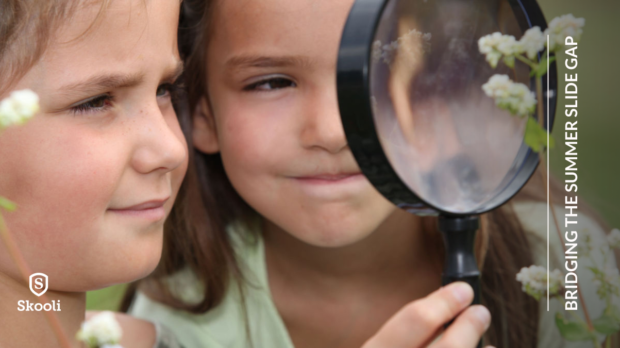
x: 409, y: 81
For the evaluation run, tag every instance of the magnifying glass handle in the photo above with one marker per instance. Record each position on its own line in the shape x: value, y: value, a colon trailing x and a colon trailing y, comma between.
x: 459, y: 234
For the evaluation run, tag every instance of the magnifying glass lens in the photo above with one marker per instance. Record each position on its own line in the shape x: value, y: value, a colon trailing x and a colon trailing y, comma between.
x: 444, y: 137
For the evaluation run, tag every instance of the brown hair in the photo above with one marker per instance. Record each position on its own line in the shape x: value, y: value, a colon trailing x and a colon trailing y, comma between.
x: 26, y: 27
x: 196, y: 237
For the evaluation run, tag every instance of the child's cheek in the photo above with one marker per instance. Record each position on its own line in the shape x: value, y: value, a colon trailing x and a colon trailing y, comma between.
x: 62, y: 178
x: 242, y: 141
x: 259, y: 135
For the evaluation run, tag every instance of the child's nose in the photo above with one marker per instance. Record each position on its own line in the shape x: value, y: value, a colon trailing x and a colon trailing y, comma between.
x: 161, y: 145
x: 322, y: 125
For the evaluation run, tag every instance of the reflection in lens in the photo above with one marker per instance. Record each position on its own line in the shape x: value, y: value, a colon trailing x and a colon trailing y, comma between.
x: 444, y: 137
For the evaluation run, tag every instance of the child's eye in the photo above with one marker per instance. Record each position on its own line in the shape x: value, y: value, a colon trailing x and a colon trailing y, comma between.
x: 164, y: 90
x: 95, y: 104
x: 270, y: 84
x: 170, y: 90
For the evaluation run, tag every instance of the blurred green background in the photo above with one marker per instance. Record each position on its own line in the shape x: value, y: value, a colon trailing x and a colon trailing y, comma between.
x: 599, y: 122
x: 598, y: 73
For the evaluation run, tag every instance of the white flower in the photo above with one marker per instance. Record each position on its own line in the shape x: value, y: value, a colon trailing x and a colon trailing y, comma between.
x: 508, y: 45
x: 100, y: 330
x: 498, y: 86
x: 532, y: 42
x: 495, y: 45
x: 534, y: 281
x: 607, y: 281
x: 514, y: 97
x: 18, y: 108
x: 493, y: 58
x: 562, y: 27
x: 489, y: 43
x: 613, y: 238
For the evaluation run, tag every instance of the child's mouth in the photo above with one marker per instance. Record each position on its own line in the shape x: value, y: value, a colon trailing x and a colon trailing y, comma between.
x: 151, y: 210
x: 327, y: 179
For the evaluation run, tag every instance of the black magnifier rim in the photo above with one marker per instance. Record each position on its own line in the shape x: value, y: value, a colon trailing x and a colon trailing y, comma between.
x: 353, y: 87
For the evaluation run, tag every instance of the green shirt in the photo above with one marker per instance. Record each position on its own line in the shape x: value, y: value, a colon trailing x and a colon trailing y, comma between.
x: 225, y: 325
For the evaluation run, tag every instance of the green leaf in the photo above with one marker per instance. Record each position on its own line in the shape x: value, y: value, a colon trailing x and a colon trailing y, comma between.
x: 595, y: 270
x: 572, y: 330
x: 7, y: 205
x: 536, y: 136
x: 606, y: 324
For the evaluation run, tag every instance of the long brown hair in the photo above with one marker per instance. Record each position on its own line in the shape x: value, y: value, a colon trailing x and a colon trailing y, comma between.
x: 196, y: 237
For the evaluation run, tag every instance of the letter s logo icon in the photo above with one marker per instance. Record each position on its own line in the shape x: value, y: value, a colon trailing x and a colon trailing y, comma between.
x: 40, y: 282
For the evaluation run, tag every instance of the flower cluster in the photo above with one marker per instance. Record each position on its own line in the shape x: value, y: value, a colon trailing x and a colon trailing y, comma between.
x: 18, y: 108
x: 562, y: 27
x: 534, y: 281
x: 101, y: 331
x: 496, y: 45
x: 511, y: 96
x: 607, y: 281
x: 532, y: 42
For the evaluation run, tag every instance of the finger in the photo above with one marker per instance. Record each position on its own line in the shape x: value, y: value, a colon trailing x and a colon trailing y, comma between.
x: 467, y: 329
x: 417, y: 323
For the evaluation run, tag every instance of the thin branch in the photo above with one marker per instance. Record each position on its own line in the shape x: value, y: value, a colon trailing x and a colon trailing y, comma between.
x: 25, y: 271
x: 530, y: 63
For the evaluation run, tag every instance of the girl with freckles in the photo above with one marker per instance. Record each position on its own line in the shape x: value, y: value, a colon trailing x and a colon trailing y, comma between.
x: 95, y: 173
x: 278, y: 240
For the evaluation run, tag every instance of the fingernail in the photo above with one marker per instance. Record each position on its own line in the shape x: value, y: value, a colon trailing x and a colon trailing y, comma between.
x: 462, y: 292
x: 483, y: 315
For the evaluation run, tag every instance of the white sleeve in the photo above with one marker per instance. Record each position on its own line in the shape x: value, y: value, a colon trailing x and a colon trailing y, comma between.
x: 165, y: 337
x: 533, y: 217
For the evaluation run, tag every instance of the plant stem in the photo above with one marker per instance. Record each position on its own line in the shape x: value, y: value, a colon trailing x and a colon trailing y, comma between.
x: 531, y: 64
x: 543, y: 173
x: 25, y: 271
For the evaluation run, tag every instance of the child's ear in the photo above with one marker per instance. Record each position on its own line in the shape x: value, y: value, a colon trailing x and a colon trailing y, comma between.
x: 204, y: 133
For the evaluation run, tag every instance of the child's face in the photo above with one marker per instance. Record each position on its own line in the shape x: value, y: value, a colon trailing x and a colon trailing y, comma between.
x: 272, y: 87
x: 106, y: 139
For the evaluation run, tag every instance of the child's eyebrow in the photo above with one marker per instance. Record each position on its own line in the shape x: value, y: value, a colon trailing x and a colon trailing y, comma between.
x: 98, y: 83
x: 243, y: 62
x: 103, y: 82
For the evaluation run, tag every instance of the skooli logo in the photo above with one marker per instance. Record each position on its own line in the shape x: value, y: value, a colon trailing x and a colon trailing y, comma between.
x: 39, y: 284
